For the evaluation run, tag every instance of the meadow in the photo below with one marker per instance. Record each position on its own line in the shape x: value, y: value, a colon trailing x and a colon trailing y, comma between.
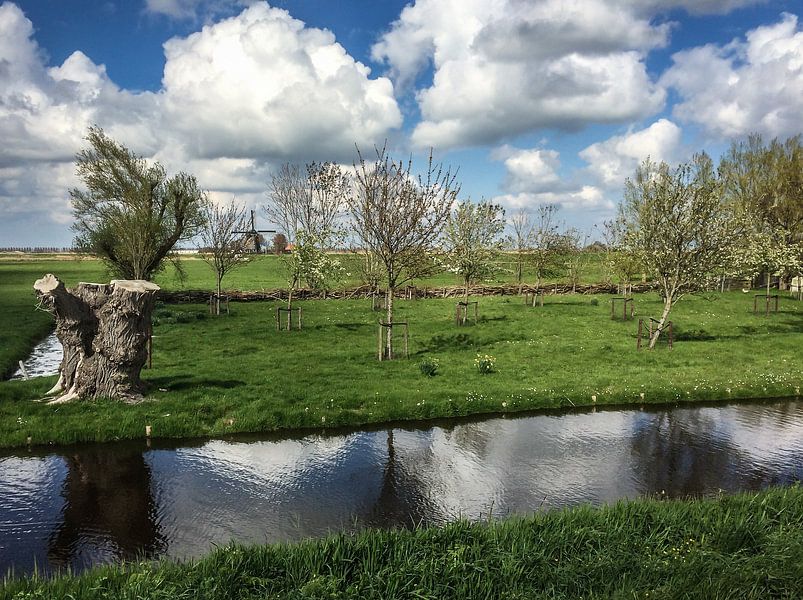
x: 237, y: 373
x: 745, y: 546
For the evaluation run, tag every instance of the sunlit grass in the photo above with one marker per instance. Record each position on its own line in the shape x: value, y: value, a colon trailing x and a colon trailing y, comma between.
x: 746, y: 546
x: 216, y: 375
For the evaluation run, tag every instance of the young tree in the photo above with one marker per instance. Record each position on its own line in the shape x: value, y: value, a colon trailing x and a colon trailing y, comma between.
x: 573, y: 247
x: 619, y: 261
x: 131, y: 214
x: 398, y: 217
x: 546, y: 242
x: 679, y: 227
x: 521, y: 241
x: 309, y: 262
x: 309, y: 200
x: 471, y: 241
x: 223, y: 244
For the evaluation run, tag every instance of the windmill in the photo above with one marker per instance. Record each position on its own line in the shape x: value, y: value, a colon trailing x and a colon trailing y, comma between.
x: 254, y: 235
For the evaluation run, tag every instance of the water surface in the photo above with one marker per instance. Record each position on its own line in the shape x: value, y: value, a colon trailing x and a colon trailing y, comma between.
x: 84, y: 505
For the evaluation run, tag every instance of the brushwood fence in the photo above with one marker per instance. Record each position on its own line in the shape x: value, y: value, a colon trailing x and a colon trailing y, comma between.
x: 367, y: 292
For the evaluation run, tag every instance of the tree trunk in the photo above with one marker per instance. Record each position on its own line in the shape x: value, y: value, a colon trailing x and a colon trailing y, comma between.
x: 104, y: 330
x: 217, y: 301
x: 389, y: 342
x: 657, y: 333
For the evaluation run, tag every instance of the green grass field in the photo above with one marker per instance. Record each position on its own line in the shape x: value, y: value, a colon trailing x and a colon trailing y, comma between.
x: 236, y: 373
x: 746, y: 546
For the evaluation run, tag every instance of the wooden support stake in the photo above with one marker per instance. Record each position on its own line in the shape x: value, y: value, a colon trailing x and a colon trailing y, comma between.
x: 638, y: 337
x: 670, y: 335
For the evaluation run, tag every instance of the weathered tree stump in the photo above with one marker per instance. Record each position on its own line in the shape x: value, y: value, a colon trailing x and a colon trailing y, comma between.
x: 104, y: 329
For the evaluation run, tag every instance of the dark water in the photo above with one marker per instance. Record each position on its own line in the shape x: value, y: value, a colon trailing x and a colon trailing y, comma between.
x: 92, y: 504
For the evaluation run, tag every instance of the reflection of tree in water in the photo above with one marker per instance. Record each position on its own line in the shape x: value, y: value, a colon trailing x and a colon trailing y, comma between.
x: 401, y: 501
x: 109, y: 509
x: 686, y: 453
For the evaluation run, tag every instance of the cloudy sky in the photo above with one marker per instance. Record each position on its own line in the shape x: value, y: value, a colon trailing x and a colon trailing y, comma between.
x: 537, y: 101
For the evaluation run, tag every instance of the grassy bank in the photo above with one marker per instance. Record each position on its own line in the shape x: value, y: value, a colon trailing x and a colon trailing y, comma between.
x: 236, y: 373
x: 744, y: 546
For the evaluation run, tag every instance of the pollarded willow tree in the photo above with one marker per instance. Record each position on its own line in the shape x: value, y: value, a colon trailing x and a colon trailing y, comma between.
x: 223, y: 244
x: 679, y: 227
x: 104, y: 329
x: 398, y: 217
x: 131, y: 215
x: 471, y: 241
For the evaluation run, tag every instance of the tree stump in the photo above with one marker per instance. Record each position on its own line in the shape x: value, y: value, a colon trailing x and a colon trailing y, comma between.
x: 104, y: 329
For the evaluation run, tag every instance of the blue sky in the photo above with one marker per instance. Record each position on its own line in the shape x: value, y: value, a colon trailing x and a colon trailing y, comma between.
x: 536, y: 101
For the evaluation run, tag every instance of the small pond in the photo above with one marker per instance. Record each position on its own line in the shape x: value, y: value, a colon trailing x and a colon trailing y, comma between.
x: 85, y: 505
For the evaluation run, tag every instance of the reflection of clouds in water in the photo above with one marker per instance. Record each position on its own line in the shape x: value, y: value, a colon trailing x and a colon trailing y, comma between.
x: 265, y: 491
x: 30, y: 509
x: 513, y: 465
x: 767, y: 431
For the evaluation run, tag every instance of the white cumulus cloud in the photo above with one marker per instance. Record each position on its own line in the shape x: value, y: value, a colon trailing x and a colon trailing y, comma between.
x: 755, y: 84
x: 613, y: 160
x: 263, y: 85
x: 502, y: 67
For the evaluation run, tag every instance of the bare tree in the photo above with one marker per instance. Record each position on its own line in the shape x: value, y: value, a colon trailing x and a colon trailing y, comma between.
x: 546, y: 242
x: 679, y: 227
x: 223, y: 246
x: 573, y: 247
x: 398, y: 217
x: 471, y: 241
x: 619, y: 262
x: 521, y: 242
x: 311, y: 199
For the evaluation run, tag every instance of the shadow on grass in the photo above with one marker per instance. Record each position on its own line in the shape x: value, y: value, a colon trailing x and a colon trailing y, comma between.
x: 451, y: 341
x: 187, y: 383
x: 491, y: 319
x: 350, y: 326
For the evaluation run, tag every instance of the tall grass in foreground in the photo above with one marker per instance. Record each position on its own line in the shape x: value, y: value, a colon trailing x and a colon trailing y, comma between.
x: 743, y: 546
